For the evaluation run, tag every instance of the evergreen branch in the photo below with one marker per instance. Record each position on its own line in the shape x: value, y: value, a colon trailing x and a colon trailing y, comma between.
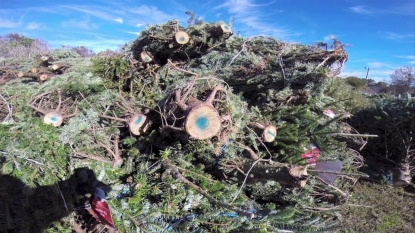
x: 174, y: 171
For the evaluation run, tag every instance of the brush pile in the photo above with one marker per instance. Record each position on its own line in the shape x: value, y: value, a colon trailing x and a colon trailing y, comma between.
x: 192, y: 129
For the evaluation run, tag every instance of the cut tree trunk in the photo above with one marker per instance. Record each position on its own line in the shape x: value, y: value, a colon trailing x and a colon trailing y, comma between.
x: 402, y: 175
x: 146, y: 56
x: 203, y: 122
x: 40, y: 77
x: 181, y: 37
x: 283, y: 174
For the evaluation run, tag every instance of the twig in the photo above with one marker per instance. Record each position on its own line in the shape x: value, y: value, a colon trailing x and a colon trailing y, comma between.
x: 280, y: 62
x: 31, y: 160
x: 334, y: 187
x: 64, y: 202
x: 174, y: 171
x: 355, y: 135
x: 97, y: 158
x: 246, y: 177
x: 252, y: 153
x: 9, y: 108
x: 188, y: 72
x: 259, y: 160
x: 240, y: 51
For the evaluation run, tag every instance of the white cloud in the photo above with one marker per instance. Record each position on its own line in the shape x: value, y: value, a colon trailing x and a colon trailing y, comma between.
x: 130, y: 32
x: 84, y: 24
x: 412, y: 57
x: 360, y: 9
x: 411, y: 62
x: 398, y: 37
x: 255, y: 22
x: 6, y: 23
x: 377, y: 64
x: 241, y: 6
x: 101, y: 13
x: 97, y: 45
x: 118, y: 20
x: 34, y: 26
x: 151, y: 13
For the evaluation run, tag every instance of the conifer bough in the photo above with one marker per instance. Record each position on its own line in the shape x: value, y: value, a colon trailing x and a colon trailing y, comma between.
x: 54, y: 117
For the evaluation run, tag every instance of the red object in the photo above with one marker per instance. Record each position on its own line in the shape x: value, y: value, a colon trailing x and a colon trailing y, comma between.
x: 311, y: 156
x: 329, y: 113
x: 100, y: 209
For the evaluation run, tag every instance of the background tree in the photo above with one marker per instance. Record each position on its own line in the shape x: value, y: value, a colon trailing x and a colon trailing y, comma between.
x: 356, y: 82
x: 16, y: 46
x: 83, y: 51
x: 403, y: 78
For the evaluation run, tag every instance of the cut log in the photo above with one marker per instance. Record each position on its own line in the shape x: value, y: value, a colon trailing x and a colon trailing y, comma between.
x: 22, y: 74
x: 43, y: 77
x: 57, y: 68
x: 181, y: 37
x: 146, y: 56
x: 283, y: 174
x: 203, y: 122
x: 402, y: 175
x: 40, y: 77
x: 225, y: 28
x: 267, y: 132
x: 43, y: 61
x: 53, y: 118
x: 138, y: 123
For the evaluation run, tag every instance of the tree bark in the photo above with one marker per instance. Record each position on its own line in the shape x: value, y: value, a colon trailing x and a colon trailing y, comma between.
x: 278, y: 173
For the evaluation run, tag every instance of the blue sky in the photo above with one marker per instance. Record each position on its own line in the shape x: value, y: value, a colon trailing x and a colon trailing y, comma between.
x: 381, y: 32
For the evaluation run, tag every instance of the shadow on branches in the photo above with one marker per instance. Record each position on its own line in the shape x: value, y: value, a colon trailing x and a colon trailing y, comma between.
x: 26, y: 209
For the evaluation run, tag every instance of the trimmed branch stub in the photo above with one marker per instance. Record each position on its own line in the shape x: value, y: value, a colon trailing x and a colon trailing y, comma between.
x: 146, y: 56
x: 138, y: 123
x: 268, y: 132
x: 225, y: 28
x: 55, y: 116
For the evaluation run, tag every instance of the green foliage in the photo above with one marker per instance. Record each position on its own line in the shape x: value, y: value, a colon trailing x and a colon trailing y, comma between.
x: 392, y: 119
x: 384, y: 209
x: 16, y: 46
x: 63, y: 53
x: 351, y: 99
x: 403, y: 78
x: 356, y: 82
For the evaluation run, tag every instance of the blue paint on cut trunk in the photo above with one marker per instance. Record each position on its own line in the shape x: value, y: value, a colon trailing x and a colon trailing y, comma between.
x: 139, y: 119
x: 54, y: 118
x: 271, y: 133
x: 202, y: 123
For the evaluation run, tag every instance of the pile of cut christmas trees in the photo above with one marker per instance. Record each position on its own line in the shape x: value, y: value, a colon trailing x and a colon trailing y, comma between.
x: 190, y: 129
